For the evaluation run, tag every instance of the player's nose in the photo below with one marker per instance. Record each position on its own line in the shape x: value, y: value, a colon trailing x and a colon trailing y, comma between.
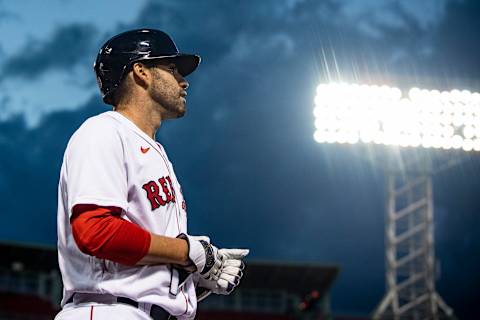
x: 183, y: 83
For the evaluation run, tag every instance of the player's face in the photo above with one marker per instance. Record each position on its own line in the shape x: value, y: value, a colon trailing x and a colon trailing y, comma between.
x: 168, y: 90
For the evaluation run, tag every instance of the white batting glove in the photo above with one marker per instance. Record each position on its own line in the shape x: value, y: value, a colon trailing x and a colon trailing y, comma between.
x: 232, y: 268
x: 230, y: 275
x: 204, y: 256
x: 237, y: 254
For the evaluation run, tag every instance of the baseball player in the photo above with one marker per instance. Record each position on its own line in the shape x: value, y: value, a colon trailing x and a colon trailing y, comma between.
x: 123, y: 247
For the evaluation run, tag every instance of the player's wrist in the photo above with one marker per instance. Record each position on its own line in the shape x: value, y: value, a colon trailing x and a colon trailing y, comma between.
x: 202, y: 255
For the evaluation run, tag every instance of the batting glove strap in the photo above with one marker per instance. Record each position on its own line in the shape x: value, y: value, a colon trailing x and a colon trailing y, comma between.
x: 203, y: 255
x: 209, y: 257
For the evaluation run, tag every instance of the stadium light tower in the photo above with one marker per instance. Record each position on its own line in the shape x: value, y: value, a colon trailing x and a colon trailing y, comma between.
x: 426, y: 119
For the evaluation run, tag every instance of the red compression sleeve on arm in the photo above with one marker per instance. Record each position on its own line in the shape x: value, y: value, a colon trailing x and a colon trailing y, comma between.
x: 100, y: 232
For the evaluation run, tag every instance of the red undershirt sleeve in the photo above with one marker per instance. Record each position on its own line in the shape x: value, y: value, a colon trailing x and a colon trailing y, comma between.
x: 102, y: 233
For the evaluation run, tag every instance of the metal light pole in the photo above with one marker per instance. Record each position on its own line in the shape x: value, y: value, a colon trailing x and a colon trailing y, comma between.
x: 409, y: 247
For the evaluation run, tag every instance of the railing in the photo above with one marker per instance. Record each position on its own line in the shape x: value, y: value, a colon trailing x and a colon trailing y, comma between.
x: 44, y: 285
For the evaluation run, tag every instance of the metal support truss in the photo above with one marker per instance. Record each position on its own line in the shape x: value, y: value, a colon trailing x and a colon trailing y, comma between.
x: 410, y: 259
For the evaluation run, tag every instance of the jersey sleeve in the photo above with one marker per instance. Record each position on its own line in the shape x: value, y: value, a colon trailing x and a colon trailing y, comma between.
x: 95, y: 166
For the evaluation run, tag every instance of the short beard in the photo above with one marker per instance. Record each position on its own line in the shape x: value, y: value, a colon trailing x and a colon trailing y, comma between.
x: 168, y: 101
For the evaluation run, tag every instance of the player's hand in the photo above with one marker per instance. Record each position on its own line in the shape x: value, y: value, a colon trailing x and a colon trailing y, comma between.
x: 237, y: 254
x: 232, y: 269
x: 204, y: 257
x: 230, y: 274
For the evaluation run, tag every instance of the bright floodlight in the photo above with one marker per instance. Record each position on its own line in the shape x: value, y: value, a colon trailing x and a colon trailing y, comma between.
x: 351, y: 113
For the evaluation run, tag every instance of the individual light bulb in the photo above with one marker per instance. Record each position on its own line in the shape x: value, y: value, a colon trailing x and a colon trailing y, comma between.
x: 465, y: 96
x: 330, y: 137
x: 445, y: 97
x: 414, y: 93
x: 457, y: 142
x: 455, y: 95
x: 468, y: 132
x: 447, y: 144
x: 395, y: 94
x: 457, y: 119
x: 319, y: 136
x: 448, y: 131
x: 467, y: 145
x: 476, y: 144
x: 353, y: 138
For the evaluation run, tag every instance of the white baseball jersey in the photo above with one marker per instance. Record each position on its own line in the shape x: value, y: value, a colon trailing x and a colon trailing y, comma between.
x: 109, y: 161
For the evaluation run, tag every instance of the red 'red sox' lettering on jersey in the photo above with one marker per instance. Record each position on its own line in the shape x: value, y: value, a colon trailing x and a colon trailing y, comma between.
x: 159, y: 198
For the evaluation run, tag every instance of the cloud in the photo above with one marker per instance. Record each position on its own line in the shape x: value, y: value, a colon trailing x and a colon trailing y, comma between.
x: 246, y: 47
x: 68, y: 46
x: 243, y: 39
x: 373, y: 16
x: 360, y: 38
x: 30, y: 163
x: 47, y: 51
x: 6, y: 14
x: 53, y: 90
x: 456, y: 49
x: 49, y: 75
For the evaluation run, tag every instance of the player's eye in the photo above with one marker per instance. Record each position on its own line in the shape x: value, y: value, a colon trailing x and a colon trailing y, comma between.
x: 173, y: 69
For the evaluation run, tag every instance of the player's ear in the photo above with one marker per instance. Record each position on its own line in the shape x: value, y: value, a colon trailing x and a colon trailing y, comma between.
x: 141, y: 74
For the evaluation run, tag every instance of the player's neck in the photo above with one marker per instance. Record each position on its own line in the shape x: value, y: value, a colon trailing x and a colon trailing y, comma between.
x: 144, y: 118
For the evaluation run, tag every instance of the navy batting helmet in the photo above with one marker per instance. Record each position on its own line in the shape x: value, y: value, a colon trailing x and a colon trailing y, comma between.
x: 119, y: 53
